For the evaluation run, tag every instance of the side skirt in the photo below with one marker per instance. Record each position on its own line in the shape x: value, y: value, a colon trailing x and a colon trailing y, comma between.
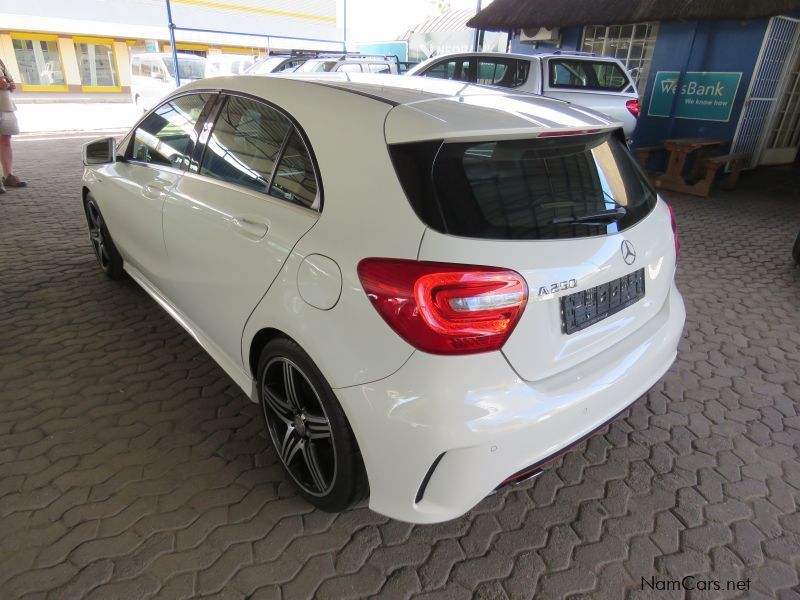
x: 234, y: 371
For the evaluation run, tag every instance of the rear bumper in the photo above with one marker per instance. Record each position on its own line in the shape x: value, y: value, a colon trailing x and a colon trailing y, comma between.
x: 480, y: 423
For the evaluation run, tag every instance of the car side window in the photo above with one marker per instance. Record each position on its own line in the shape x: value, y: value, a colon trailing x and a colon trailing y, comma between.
x: 167, y: 135
x: 587, y: 74
x: 502, y: 72
x: 245, y: 143
x: 457, y: 69
x: 158, y: 69
x: 378, y: 68
x: 294, y: 178
x: 136, y: 66
x: 256, y: 146
x: 565, y: 75
x: 147, y: 67
x: 350, y: 68
x: 609, y: 76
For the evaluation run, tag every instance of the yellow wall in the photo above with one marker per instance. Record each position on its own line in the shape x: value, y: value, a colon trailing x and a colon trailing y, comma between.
x: 123, y: 63
x: 69, y: 61
x: 7, y: 54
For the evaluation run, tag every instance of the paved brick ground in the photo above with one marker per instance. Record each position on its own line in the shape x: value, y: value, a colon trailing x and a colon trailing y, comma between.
x: 130, y: 466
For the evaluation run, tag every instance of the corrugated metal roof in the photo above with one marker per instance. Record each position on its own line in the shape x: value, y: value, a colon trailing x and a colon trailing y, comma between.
x: 455, y: 20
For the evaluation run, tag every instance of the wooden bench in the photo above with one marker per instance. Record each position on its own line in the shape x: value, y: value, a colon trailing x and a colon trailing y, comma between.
x: 643, y: 153
x: 713, y: 163
x: 705, y: 172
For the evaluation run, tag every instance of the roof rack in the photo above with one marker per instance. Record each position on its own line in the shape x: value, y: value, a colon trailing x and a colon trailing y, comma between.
x: 343, y: 55
x: 574, y: 53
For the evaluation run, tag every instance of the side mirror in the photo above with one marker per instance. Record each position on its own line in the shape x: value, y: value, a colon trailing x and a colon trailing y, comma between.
x: 99, y: 152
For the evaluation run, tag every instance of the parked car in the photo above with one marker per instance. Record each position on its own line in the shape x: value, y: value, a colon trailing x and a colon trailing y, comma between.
x: 350, y: 64
x: 227, y: 64
x: 276, y: 64
x: 153, y: 75
x: 597, y: 82
x: 486, y: 281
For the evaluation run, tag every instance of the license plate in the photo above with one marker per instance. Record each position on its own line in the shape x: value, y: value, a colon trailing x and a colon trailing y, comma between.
x: 587, y: 307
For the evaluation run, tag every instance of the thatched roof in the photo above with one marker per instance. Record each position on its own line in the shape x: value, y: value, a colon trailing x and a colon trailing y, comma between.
x: 506, y: 15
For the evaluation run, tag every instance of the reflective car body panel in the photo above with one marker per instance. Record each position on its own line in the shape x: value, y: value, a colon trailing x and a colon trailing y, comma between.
x: 236, y: 254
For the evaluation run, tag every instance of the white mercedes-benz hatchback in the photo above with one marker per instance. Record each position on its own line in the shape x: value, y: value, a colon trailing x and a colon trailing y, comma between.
x: 431, y: 288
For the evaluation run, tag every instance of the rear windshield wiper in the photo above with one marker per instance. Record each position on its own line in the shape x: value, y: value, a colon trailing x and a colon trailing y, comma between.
x: 599, y: 218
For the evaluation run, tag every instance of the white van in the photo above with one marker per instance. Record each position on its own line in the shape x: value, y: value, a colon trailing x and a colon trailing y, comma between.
x: 227, y: 64
x: 153, y: 76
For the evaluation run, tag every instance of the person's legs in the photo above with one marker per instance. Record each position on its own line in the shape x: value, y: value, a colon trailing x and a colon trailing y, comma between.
x: 6, y: 157
x: 8, y: 127
x: 6, y: 162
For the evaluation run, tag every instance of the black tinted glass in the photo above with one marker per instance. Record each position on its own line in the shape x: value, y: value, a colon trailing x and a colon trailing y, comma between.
x: 245, y: 143
x: 587, y: 74
x: 457, y: 69
x: 525, y: 189
x: 502, y: 72
x: 294, y: 179
x: 167, y: 136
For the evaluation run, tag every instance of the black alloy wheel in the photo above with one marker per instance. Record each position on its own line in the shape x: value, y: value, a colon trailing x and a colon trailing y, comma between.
x: 104, y: 249
x: 308, y: 429
x: 298, y: 426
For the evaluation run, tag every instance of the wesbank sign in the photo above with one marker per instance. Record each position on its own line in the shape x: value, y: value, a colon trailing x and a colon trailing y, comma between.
x: 703, y: 95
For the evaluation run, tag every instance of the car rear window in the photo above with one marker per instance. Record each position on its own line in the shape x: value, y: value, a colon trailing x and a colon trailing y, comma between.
x: 528, y: 189
x: 587, y: 74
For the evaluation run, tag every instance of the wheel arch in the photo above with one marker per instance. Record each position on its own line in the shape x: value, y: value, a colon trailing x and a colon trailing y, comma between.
x: 260, y: 339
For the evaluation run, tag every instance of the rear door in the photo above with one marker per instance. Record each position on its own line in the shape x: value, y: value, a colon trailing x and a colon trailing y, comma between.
x: 250, y: 193
x: 520, y: 204
x: 600, y: 84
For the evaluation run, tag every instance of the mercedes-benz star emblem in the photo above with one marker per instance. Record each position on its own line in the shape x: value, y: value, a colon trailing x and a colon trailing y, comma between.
x: 628, y: 252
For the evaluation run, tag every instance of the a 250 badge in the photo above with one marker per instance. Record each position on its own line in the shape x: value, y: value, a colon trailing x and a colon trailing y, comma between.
x: 559, y: 286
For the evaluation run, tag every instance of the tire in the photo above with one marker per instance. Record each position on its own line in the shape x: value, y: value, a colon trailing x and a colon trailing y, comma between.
x: 308, y: 429
x: 105, y: 251
x: 796, y: 250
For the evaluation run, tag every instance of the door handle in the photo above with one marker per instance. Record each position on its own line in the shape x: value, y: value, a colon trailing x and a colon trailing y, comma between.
x: 152, y: 190
x: 251, y: 228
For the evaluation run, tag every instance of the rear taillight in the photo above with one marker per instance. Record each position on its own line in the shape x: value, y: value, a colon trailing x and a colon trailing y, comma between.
x: 445, y: 308
x: 633, y: 107
x: 674, y: 230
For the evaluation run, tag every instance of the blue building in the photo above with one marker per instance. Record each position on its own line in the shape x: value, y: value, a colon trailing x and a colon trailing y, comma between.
x: 715, y: 70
